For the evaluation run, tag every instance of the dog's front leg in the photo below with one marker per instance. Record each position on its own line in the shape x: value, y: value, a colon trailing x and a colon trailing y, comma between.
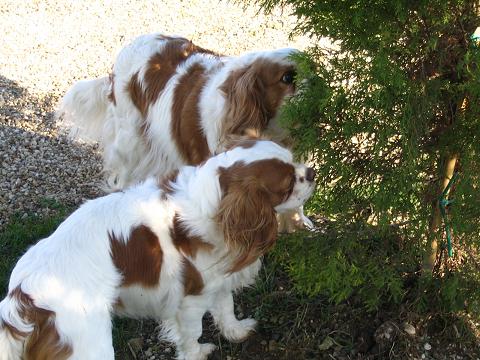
x: 186, y: 328
x: 290, y: 221
x: 224, y: 316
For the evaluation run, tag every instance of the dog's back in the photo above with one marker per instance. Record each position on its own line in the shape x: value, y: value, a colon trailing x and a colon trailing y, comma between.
x: 64, y: 287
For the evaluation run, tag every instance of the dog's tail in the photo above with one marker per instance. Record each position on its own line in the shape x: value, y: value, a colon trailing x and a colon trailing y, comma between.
x: 13, y: 330
x: 83, y: 109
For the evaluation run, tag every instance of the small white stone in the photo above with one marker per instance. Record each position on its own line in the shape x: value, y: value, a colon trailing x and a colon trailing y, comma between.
x: 409, y: 329
x: 427, y: 346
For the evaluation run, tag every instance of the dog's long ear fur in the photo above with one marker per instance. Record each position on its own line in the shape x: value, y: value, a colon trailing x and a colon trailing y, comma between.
x: 247, y: 219
x: 245, y: 111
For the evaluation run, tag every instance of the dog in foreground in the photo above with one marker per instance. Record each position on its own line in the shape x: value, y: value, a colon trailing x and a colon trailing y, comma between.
x: 169, y: 249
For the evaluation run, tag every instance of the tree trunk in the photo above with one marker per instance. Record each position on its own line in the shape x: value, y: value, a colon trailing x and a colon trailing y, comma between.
x: 434, y: 236
x: 436, y: 222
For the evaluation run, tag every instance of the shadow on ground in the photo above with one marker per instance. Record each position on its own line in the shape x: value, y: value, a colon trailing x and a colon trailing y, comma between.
x: 35, y: 162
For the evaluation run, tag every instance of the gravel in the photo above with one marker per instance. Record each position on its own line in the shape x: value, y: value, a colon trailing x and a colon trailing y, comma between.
x: 48, y: 45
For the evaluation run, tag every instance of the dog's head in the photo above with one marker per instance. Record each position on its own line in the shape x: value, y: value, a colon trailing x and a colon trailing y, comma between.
x: 260, y: 181
x: 255, y: 89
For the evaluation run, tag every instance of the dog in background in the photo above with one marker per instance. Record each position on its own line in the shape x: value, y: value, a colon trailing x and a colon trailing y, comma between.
x: 169, y: 102
x: 169, y: 249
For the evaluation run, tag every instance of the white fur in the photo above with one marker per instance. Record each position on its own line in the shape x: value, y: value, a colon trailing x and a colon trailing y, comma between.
x: 85, y: 102
x: 72, y: 273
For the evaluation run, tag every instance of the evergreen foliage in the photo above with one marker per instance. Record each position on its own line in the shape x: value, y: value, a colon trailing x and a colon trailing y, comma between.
x: 381, y: 114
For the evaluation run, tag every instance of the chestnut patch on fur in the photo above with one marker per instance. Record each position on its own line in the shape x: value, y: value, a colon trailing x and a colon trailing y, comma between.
x: 253, y: 95
x: 165, y: 183
x: 185, y: 127
x: 245, y: 142
x: 192, y: 279
x: 270, y: 176
x: 44, y: 341
x: 165, y: 37
x: 111, y: 95
x: 160, y: 68
x: 138, y: 98
x: 186, y: 243
x: 246, y: 214
x: 139, y: 259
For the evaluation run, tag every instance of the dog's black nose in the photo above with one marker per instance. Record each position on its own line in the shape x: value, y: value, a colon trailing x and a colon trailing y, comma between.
x: 310, y: 175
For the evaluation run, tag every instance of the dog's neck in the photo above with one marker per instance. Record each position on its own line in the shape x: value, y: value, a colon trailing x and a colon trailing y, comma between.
x: 196, y: 200
x: 212, y: 107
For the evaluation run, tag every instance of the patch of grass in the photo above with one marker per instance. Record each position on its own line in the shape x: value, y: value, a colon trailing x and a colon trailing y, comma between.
x: 20, y: 234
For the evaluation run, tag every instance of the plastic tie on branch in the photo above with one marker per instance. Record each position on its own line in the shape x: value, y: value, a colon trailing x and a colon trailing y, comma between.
x: 443, y: 202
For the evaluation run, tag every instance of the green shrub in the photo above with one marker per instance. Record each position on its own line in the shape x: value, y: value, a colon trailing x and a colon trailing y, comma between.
x: 386, y: 116
x: 342, y: 261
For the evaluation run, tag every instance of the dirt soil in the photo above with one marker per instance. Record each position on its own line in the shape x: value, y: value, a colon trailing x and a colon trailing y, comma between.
x: 291, y: 327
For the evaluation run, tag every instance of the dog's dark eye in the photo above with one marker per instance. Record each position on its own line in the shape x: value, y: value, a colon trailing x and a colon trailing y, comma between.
x: 288, y: 77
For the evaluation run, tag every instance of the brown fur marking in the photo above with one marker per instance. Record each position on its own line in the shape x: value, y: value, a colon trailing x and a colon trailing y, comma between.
x: 43, y: 343
x: 186, y: 128
x: 192, y: 279
x: 138, y: 98
x: 160, y: 68
x: 140, y: 258
x: 246, y: 215
x: 189, y: 245
x: 245, y: 142
x: 14, y: 332
x: 165, y: 184
x: 111, y: 95
x: 254, y: 95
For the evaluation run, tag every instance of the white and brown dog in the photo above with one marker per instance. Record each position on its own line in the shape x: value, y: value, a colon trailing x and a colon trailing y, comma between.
x: 168, y: 249
x: 170, y: 103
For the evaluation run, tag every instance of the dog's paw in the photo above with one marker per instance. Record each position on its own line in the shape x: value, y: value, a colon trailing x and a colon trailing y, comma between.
x: 238, y: 331
x: 307, y: 223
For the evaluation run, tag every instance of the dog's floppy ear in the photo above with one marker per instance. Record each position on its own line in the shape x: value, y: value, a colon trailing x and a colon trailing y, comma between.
x: 246, y: 113
x: 247, y: 219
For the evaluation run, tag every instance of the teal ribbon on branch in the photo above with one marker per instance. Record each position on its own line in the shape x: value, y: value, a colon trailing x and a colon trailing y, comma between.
x: 443, y: 202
